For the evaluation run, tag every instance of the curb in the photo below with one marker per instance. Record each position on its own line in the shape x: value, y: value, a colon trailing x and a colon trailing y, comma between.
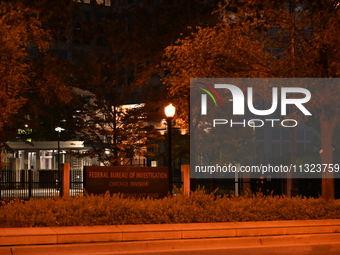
x: 160, y: 246
x: 272, y: 230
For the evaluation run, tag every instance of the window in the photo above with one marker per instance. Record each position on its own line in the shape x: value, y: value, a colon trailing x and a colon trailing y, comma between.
x: 104, y: 2
x: 82, y: 1
x: 285, y: 135
x: 259, y: 133
x: 276, y: 151
x: 285, y: 148
x: 100, y: 2
x: 309, y: 136
x: 276, y: 134
x: 300, y: 135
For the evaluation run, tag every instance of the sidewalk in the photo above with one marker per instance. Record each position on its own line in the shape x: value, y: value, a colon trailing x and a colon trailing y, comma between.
x: 92, y: 239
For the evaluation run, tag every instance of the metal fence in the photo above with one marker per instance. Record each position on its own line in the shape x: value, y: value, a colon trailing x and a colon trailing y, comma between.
x: 76, y: 185
x: 26, y: 184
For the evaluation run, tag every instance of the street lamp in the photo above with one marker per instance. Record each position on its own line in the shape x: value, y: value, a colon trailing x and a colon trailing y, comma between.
x: 59, y: 130
x: 169, y: 113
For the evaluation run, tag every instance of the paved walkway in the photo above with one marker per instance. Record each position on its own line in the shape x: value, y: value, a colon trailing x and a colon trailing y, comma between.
x: 122, y: 238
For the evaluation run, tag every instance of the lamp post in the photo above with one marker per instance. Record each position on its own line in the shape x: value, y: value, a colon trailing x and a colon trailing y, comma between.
x: 59, y: 130
x: 169, y: 113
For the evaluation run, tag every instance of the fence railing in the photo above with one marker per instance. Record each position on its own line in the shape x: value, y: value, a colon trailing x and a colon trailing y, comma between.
x: 26, y: 184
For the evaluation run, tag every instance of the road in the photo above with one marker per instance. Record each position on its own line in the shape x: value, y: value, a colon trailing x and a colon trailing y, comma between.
x: 136, y: 248
x: 302, y: 249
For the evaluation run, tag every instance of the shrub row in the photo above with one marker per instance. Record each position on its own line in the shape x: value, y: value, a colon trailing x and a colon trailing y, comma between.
x: 199, y: 207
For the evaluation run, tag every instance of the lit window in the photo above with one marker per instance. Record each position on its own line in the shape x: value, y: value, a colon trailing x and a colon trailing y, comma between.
x: 104, y: 2
x: 83, y: 1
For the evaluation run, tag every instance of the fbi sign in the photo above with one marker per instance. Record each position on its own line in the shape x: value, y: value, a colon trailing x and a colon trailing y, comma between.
x: 130, y: 181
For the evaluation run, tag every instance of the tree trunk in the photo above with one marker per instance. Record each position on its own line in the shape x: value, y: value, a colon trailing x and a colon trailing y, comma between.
x: 115, y: 149
x: 327, y: 129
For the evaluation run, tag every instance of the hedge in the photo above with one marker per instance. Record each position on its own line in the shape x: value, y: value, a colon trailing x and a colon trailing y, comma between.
x: 88, y: 210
